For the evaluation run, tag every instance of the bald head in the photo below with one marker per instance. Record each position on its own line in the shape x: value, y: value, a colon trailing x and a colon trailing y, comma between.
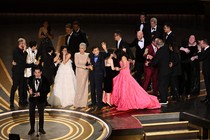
x: 139, y: 35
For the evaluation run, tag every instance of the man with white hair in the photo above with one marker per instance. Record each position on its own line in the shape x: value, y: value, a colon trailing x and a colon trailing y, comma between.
x: 19, y: 64
x: 154, y: 30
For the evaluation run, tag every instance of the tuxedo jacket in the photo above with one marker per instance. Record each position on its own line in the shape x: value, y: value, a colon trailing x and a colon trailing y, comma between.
x: 150, y: 51
x: 79, y: 37
x: 205, y: 57
x: 175, y: 58
x: 49, y: 68
x: 71, y: 43
x: 161, y: 60
x: 20, y: 58
x: 170, y: 40
x: 128, y: 50
x: 145, y: 26
x: 99, y: 66
x: 139, y: 52
x: 148, y: 34
x: 43, y: 89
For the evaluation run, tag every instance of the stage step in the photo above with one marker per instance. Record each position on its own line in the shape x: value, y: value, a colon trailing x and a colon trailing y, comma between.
x: 172, y: 134
x: 166, y: 126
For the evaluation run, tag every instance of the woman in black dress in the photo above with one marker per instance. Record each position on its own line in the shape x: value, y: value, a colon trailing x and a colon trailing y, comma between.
x: 108, y: 84
x: 190, y: 69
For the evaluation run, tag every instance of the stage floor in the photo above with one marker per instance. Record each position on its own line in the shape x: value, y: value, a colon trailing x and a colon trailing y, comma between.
x: 85, y: 123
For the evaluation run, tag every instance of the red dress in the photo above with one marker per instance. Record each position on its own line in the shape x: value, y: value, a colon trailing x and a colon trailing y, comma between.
x: 128, y: 94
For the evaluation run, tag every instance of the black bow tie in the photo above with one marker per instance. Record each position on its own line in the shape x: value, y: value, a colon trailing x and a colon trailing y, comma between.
x: 153, y: 28
x: 140, y: 40
x: 37, y: 79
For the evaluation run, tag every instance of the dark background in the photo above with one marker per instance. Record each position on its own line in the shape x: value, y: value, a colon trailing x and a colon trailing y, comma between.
x: 104, y: 6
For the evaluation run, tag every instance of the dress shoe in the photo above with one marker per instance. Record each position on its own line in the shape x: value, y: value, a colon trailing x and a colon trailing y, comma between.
x: 91, y: 105
x: 31, y: 131
x: 98, y: 108
x: 164, y: 103
x: 12, y: 107
x: 47, y: 104
x: 205, y: 100
x: 42, y: 131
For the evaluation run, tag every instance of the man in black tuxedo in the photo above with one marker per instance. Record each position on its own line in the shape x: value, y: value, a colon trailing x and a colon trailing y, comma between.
x: 142, y: 23
x: 97, y: 75
x: 38, y: 87
x: 154, y: 30
x: 139, y: 44
x: 120, y: 44
x: 19, y: 64
x: 204, y: 55
x: 70, y: 42
x: 79, y: 36
x: 169, y: 37
x: 161, y: 60
x: 51, y: 62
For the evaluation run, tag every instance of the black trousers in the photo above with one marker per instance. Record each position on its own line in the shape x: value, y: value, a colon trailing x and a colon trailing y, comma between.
x: 174, y: 85
x: 25, y: 93
x: 139, y: 71
x: 163, y: 83
x: 207, y: 84
x: 96, y: 85
x: 32, y: 107
x: 18, y: 82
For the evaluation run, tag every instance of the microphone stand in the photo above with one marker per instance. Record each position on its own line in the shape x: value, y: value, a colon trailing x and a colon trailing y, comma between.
x: 37, y: 126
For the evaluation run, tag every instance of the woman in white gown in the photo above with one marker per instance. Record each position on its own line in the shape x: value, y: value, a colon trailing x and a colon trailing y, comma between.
x: 65, y: 82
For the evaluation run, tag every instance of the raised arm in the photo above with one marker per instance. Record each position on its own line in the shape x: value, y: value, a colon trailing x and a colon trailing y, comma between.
x: 66, y: 58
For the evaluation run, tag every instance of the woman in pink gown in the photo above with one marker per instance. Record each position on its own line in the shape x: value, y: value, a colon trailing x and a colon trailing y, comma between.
x: 127, y: 93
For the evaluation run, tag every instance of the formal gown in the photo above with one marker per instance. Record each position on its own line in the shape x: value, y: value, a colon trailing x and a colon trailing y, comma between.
x: 128, y: 94
x: 64, y: 89
x: 81, y: 97
x: 108, y: 84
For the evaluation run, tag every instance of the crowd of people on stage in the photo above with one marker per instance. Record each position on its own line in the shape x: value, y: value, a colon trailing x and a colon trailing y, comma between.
x: 159, y: 63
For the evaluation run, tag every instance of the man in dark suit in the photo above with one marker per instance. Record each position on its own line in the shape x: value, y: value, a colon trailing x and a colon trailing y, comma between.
x: 51, y: 62
x: 120, y: 44
x: 38, y: 87
x: 97, y: 75
x: 161, y: 60
x: 139, y: 44
x: 70, y: 42
x: 79, y: 36
x: 141, y: 24
x: 169, y: 37
x: 204, y: 55
x: 19, y: 64
x: 154, y: 30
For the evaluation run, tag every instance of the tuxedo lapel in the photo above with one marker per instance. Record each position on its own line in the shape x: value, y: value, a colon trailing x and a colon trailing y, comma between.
x: 40, y: 85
